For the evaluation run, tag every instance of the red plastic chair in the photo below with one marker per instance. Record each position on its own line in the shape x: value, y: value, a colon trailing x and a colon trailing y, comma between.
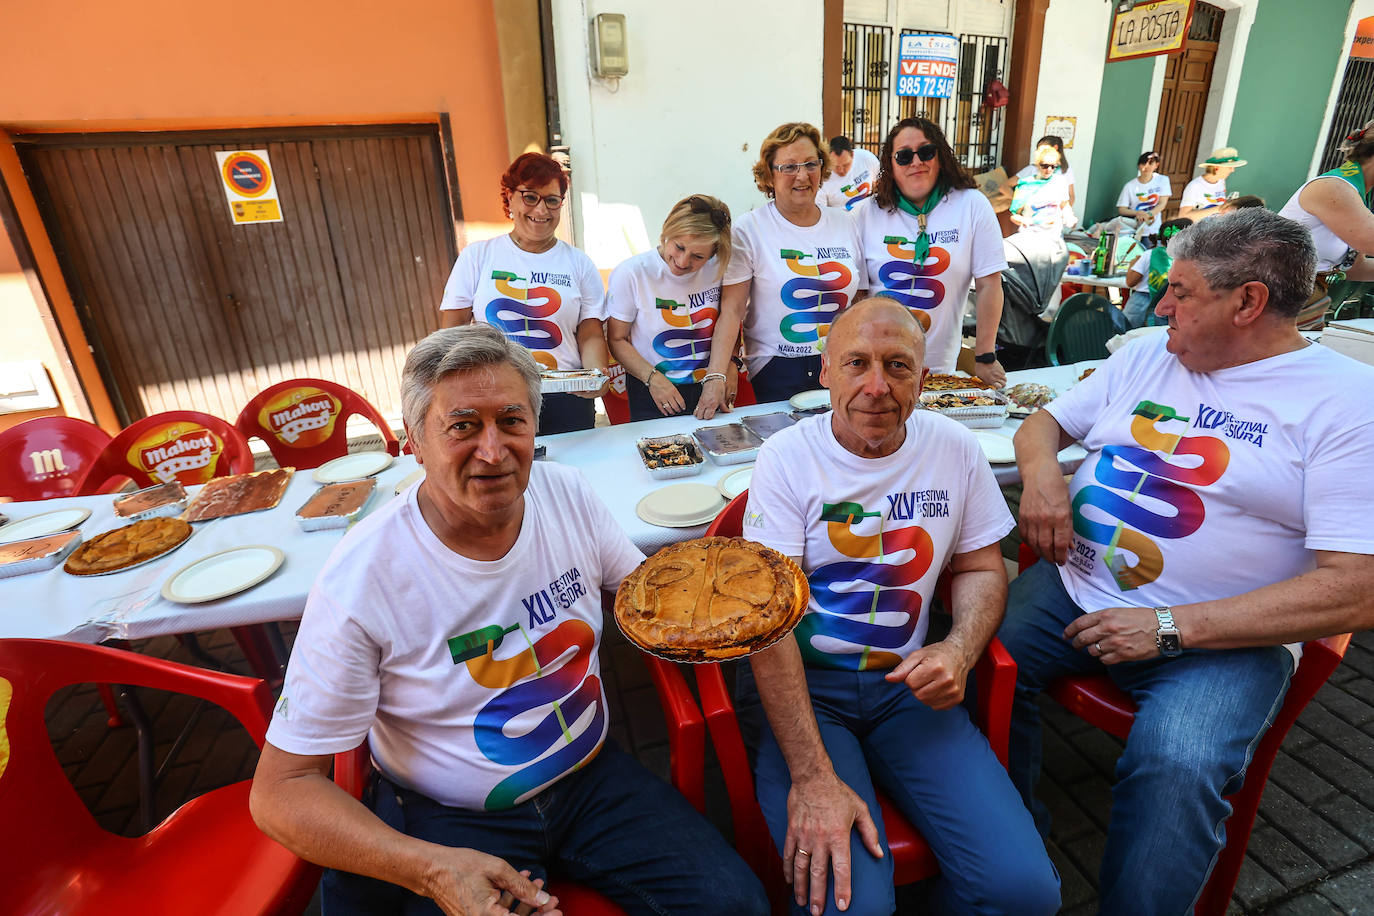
x: 686, y: 744
x: 304, y: 421
x: 912, y: 858
x: 207, y: 857
x: 48, y: 457
x: 184, y: 445
x: 1098, y: 701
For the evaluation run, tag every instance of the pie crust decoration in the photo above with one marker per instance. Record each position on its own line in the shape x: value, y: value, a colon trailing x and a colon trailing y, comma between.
x: 710, y: 599
x: 128, y: 546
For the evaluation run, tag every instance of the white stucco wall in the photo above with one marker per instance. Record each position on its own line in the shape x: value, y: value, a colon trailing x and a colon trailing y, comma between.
x: 707, y: 81
x: 1071, y: 64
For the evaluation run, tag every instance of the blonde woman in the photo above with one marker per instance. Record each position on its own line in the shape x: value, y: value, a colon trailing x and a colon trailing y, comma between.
x: 662, y: 306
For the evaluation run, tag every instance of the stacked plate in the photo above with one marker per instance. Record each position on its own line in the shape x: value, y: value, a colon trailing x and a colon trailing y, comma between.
x: 682, y: 505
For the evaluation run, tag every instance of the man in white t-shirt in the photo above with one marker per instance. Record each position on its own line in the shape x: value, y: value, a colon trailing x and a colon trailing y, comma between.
x: 873, y: 500
x: 457, y: 631
x: 852, y: 174
x: 1222, y: 511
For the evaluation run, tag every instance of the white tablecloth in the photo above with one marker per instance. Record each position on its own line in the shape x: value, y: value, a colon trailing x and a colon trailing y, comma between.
x: 129, y: 604
x: 1113, y: 282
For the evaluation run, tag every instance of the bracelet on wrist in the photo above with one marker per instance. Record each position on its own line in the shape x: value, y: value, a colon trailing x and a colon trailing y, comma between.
x: 712, y: 375
x: 650, y: 375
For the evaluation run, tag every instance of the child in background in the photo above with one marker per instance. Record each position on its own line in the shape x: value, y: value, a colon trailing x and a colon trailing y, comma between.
x: 1149, y: 275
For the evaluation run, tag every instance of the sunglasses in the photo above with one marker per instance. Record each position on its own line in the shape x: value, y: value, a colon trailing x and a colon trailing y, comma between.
x: 1045, y: 165
x: 925, y: 153
x: 719, y: 218
x: 532, y: 199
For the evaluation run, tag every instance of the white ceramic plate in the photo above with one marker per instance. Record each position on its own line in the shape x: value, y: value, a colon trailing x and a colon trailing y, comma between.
x: 735, y: 483
x: 352, y: 467
x: 810, y: 400
x: 998, y: 449
x: 417, y: 474
x: 43, y: 524
x: 682, y: 505
x: 221, y: 574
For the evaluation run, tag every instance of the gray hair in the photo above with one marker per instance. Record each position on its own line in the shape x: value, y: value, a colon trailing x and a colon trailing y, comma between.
x: 455, y: 350
x: 1254, y: 244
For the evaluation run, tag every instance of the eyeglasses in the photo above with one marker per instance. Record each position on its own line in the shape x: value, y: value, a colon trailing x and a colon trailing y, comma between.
x: 925, y: 152
x: 792, y: 168
x: 719, y: 218
x: 531, y: 199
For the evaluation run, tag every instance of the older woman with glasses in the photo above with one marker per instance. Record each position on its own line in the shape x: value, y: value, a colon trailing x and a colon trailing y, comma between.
x: 661, y: 309
x: 794, y: 267
x: 1145, y: 196
x: 1042, y: 203
x: 541, y: 292
x: 928, y: 232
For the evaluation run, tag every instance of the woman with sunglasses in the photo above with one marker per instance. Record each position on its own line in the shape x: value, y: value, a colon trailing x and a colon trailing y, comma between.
x: 661, y: 309
x: 1042, y: 203
x: 1030, y: 171
x: 794, y: 266
x: 928, y: 232
x: 1145, y: 196
x: 540, y: 291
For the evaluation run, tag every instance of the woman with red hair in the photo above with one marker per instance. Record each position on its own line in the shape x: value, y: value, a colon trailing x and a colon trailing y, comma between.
x: 540, y: 291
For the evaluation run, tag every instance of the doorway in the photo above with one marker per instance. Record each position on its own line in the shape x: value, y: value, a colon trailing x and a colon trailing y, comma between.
x: 1183, y: 101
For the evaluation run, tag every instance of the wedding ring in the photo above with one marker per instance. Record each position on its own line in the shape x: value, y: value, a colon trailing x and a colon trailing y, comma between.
x: 803, y: 852
x: 1098, y: 646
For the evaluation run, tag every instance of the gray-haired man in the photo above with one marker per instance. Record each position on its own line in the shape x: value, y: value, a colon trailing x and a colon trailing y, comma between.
x: 1222, y: 512
x: 457, y: 630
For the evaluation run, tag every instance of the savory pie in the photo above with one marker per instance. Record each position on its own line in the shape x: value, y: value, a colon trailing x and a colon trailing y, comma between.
x: 127, y: 546
x: 711, y: 599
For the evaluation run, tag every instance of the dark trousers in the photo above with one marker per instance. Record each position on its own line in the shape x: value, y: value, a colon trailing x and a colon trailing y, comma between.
x: 785, y: 376
x: 564, y: 413
x: 642, y: 406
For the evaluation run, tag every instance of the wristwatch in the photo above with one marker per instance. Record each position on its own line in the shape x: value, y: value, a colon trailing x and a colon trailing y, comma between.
x: 986, y: 359
x: 1167, y: 637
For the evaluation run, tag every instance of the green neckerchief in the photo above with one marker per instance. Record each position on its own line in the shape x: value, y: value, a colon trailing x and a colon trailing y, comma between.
x: 921, y: 247
x: 1350, y: 170
x: 1157, y: 273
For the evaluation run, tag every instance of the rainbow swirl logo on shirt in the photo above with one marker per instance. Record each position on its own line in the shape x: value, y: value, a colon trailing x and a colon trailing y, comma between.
x: 686, y: 345
x: 523, y: 315
x: 863, y: 611
x: 813, y: 297
x: 1145, y: 202
x: 856, y: 193
x: 547, y: 717
x: 916, y: 287
x: 1113, y: 514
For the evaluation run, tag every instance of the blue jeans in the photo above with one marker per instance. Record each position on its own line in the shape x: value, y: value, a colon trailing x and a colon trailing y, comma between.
x: 938, y: 770
x: 784, y: 376
x: 611, y: 826
x: 1198, y: 721
x: 1136, y: 307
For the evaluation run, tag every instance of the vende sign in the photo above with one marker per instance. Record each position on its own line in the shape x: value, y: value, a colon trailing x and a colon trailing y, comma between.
x: 927, y: 65
x: 1149, y: 29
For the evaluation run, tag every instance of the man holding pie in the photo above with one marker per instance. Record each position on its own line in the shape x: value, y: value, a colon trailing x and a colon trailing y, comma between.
x: 873, y: 500
x: 457, y: 630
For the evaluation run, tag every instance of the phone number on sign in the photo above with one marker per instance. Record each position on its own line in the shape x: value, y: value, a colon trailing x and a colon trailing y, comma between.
x: 929, y: 86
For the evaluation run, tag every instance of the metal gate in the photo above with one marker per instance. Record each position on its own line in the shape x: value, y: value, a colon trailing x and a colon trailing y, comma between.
x: 1353, y: 107
x: 975, y: 132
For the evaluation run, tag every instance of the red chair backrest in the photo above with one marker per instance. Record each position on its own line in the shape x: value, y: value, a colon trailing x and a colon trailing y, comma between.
x: 48, y: 457
x: 730, y: 522
x: 183, y: 445
x: 304, y: 421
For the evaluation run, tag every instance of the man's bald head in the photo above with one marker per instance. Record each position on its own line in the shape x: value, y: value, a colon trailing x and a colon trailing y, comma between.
x: 876, y: 308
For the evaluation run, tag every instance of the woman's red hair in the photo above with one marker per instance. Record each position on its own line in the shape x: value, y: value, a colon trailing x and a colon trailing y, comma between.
x: 533, y: 170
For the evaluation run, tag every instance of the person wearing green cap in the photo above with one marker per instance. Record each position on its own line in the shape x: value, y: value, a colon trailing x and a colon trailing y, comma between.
x: 1204, y: 194
x: 928, y: 233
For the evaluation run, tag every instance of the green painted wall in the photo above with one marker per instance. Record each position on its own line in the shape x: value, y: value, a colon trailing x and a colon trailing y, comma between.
x: 1120, y: 135
x: 1290, y: 63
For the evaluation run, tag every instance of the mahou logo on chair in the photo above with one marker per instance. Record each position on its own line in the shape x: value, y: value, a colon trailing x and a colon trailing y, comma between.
x: 177, y: 451
x: 303, y: 417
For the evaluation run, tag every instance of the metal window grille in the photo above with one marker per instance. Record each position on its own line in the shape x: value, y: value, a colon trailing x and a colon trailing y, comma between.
x: 1206, y: 23
x: 1353, y: 106
x: 866, y: 83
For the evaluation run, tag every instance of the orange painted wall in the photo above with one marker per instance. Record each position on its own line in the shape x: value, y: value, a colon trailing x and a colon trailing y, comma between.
x: 89, y: 65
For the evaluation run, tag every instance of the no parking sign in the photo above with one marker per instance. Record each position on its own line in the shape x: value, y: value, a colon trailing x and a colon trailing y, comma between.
x: 249, y: 186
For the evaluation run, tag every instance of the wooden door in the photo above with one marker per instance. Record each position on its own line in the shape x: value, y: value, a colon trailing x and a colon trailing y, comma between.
x: 187, y: 310
x: 1187, y: 78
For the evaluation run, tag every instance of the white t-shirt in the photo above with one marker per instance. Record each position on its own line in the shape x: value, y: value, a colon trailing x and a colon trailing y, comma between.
x: 537, y: 300
x: 1041, y: 202
x: 672, y: 317
x: 478, y: 682
x: 872, y: 534
x: 1142, y: 197
x: 1141, y: 265
x: 1202, y: 486
x: 803, y: 276
x: 854, y: 187
x: 1332, y: 250
x: 1203, y: 194
x: 965, y: 242
x: 1031, y: 171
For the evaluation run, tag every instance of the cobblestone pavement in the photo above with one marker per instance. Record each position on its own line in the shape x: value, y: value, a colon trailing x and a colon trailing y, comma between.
x: 1312, y: 850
